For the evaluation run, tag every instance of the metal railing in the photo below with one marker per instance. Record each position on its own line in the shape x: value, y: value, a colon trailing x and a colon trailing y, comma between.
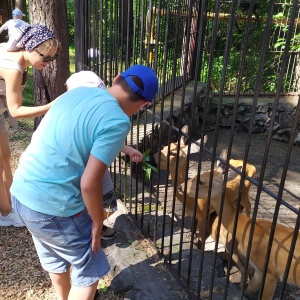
x: 235, y: 51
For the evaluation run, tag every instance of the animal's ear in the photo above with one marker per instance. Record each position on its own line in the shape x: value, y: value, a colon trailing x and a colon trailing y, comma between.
x: 232, y: 174
x: 220, y: 165
x: 195, y: 148
x: 224, y: 154
x: 183, y: 139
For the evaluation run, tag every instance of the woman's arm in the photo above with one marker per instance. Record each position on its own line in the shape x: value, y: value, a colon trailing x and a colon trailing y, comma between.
x: 13, y: 81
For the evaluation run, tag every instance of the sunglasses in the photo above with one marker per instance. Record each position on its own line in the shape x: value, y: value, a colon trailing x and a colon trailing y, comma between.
x: 47, y: 58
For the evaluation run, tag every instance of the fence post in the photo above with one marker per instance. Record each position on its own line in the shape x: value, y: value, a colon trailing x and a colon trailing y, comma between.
x: 81, y: 19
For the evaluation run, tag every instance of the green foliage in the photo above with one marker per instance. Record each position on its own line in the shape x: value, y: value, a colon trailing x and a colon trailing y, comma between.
x: 276, y: 43
x: 72, y: 58
x: 70, y: 18
x: 102, y: 288
x: 295, y: 43
x: 146, y: 166
x: 28, y: 95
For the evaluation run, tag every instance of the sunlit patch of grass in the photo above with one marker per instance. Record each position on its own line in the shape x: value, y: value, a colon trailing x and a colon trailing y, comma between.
x: 24, y: 131
x: 72, y: 59
x: 28, y: 94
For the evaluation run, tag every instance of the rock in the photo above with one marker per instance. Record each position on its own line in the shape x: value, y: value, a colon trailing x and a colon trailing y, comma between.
x: 285, y: 120
x: 297, y: 139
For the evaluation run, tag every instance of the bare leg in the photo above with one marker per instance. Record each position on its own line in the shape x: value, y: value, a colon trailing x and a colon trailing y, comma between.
x: 6, y: 154
x: 5, y: 176
x: 87, y: 293
x: 62, y: 284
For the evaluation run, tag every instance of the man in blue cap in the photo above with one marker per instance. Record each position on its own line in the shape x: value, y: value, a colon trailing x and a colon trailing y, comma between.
x: 56, y: 188
x: 15, y: 22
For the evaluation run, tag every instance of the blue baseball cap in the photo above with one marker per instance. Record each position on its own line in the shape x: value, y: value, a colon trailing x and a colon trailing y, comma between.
x: 148, y: 77
x: 17, y: 12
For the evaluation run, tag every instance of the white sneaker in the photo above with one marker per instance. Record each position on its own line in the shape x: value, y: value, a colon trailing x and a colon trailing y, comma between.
x: 12, y: 219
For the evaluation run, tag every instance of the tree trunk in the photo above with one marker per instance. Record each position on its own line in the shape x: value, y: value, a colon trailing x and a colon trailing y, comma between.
x: 21, y: 4
x: 51, y: 80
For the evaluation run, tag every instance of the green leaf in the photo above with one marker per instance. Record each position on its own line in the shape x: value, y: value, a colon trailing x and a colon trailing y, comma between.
x: 147, y: 158
x: 147, y: 174
x: 103, y: 288
x: 146, y: 166
x: 146, y: 154
x: 151, y: 167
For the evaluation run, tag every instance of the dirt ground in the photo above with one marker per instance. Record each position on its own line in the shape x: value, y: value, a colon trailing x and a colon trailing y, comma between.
x: 271, y: 176
x: 276, y: 158
x: 23, y: 278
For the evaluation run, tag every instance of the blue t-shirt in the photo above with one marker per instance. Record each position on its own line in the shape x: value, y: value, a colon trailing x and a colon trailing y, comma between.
x: 83, y: 121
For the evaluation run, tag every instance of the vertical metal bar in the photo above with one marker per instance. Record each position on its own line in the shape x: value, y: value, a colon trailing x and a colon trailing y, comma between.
x: 121, y: 27
x: 157, y: 17
x: 79, y: 35
x: 230, y: 143
x: 105, y: 49
x: 280, y: 80
x: 162, y: 88
x: 100, y: 43
x: 256, y: 94
x: 185, y: 63
x: 173, y: 81
x: 283, y: 178
x: 116, y: 41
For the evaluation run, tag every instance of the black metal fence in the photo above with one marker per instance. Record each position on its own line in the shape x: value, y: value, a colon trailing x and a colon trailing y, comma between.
x: 230, y: 71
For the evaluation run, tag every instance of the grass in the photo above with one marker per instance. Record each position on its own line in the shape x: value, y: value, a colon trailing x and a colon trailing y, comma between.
x: 28, y: 95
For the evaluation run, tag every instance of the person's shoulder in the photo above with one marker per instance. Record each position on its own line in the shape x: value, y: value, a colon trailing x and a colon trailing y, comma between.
x: 19, y: 23
x: 7, y: 23
x: 10, y: 21
x: 24, y: 23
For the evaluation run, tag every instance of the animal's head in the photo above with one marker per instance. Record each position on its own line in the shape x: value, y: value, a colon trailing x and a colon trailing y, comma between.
x: 182, y: 151
x: 216, y: 178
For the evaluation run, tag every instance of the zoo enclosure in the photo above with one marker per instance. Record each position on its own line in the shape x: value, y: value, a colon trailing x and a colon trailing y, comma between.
x: 232, y: 49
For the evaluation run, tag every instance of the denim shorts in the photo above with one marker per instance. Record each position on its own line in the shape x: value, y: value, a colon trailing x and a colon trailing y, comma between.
x: 62, y: 242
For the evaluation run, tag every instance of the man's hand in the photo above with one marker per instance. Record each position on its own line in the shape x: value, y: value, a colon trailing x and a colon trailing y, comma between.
x: 135, y: 156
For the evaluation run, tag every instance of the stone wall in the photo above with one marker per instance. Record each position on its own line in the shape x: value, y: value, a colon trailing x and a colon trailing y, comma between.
x: 193, y: 115
x: 281, y: 130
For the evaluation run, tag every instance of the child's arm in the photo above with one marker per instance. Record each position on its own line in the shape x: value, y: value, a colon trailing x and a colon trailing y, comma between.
x: 135, y: 155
